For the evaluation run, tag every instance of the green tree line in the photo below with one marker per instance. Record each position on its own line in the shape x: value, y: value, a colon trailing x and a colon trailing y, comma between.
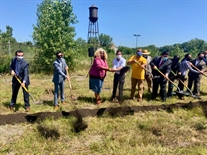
x: 55, y: 30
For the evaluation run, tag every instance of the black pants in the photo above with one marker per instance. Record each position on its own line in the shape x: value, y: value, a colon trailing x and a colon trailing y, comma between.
x: 118, y: 80
x: 170, y: 86
x: 180, y: 85
x: 15, y: 89
x: 194, y: 79
x: 156, y: 83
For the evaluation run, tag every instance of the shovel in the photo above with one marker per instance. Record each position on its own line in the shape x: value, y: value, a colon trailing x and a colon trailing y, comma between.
x: 179, y: 91
x: 198, y: 70
x: 144, y: 68
x: 194, y: 96
x: 36, y: 102
x: 71, y: 95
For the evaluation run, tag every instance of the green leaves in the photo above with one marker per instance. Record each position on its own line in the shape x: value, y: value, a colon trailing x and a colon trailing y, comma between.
x: 53, y: 30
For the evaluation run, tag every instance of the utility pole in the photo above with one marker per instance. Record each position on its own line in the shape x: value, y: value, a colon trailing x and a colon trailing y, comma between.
x: 136, y: 35
x: 9, y: 49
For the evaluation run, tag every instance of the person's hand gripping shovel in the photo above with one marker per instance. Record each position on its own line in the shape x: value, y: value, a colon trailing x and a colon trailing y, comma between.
x: 71, y: 95
x: 178, y: 89
x: 144, y: 68
x: 36, y: 102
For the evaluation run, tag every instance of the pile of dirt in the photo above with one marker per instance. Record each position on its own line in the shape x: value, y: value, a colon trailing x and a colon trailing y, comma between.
x: 112, y: 111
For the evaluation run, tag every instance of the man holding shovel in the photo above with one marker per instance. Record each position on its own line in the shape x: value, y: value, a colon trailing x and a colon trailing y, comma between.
x: 160, y: 64
x: 59, y: 77
x: 194, y: 78
x: 138, y: 63
x: 19, y: 70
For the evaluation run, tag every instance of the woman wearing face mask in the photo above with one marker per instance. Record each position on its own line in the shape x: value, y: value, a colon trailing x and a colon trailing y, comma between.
x: 19, y: 67
x: 195, y: 78
x: 164, y: 65
x: 59, y: 77
x: 97, y: 73
x: 118, y: 63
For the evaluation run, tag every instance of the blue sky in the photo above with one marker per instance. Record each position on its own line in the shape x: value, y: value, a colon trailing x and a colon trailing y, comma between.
x: 160, y: 22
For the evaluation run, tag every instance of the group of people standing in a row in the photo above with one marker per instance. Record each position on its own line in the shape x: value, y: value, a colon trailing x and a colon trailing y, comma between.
x: 156, y: 72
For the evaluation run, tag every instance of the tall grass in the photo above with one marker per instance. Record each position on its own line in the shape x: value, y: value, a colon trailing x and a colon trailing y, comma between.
x: 180, y: 132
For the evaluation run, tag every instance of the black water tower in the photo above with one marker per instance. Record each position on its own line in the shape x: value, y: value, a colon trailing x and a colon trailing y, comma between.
x: 93, y: 30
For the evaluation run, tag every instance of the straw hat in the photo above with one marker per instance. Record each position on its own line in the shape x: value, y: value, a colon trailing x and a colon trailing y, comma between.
x: 145, y: 52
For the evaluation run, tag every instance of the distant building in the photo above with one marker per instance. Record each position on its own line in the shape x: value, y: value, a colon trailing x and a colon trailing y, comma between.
x: 114, y: 47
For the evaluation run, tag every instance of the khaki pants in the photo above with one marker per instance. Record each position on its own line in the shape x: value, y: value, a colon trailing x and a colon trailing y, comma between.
x: 140, y: 88
x: 148, y: 79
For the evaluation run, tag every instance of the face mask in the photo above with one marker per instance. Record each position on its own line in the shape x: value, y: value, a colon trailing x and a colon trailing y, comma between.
x: 19, y: 58
x: 59, y: 56
x: 188, y: 59
x: 164, y: 58
x: 118, y: 56
x: 200, y: 58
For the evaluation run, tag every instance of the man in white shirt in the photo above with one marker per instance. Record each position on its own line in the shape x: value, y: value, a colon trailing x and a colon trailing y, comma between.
x: 118, y: 63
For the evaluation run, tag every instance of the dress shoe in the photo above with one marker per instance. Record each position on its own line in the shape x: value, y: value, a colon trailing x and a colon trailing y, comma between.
x: 164, y: 100
x: 11, y: 108
x: 27, y: 109
x: 139, y: 100
x: 63, y: 102
x: 56, y: 107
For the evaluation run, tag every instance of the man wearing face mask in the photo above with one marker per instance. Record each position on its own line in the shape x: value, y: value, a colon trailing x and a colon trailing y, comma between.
x: 164, y: 65
x: 194, y: 78
x: 19, y: 67
x: 205, y: 56
x: 185, y: 65
x: 59, y: 77
x: 138, y: 63
x: 118, y: 63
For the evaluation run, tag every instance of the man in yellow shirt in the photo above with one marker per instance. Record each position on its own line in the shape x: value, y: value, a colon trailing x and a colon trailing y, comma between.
x: 138, y: 63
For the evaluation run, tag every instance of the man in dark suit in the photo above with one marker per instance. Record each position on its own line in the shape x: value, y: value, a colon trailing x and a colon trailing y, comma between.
x: 194, y: 77
x: 60, y: 74
x: 164, y: 65
x: 19, y: 68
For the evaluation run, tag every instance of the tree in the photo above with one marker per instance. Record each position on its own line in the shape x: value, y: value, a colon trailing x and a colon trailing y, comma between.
x: 105, y: 41
x: 53, y: 32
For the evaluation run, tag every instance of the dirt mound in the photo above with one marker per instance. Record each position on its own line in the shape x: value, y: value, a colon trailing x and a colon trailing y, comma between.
x: 112, y: 111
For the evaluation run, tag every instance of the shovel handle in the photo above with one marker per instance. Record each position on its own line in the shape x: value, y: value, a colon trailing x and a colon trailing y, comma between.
x: 24, y: 88
x: 141, y: 66
x: 183, y: 83
x: 168, y: 79
x: 21, y: 83
x: 198, y: 70
x: 69, y: 80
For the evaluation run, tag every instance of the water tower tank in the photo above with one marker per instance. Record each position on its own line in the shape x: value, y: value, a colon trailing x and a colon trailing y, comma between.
x: 93, y: 13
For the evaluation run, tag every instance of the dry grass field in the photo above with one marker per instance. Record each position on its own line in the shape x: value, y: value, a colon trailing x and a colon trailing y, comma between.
x: 180, y: 131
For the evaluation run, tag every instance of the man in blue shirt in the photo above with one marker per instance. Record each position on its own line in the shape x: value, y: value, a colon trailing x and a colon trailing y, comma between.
x: 118, y: 63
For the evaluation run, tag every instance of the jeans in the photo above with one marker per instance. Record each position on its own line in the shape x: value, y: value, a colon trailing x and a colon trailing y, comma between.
x: 59, y: 86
